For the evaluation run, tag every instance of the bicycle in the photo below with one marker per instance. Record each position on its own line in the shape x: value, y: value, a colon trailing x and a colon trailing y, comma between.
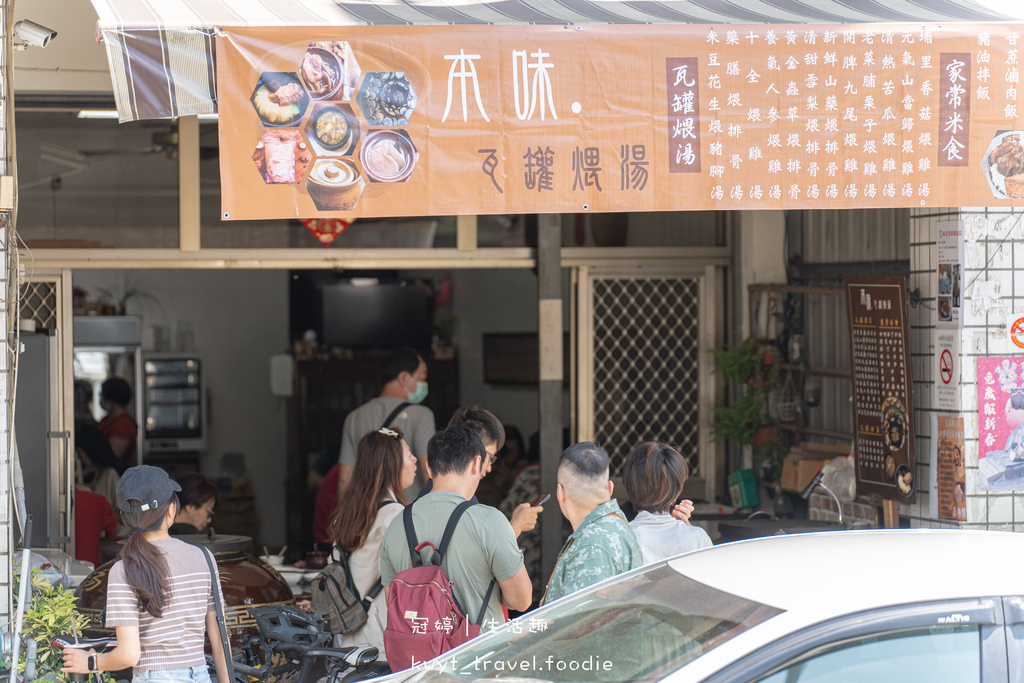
x: 299, y: 638
x: 101, y: 644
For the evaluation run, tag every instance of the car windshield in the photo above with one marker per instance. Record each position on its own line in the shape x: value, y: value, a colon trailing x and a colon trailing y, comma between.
x: 639, y: 628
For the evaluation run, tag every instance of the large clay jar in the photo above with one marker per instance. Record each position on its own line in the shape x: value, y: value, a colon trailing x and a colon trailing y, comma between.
x: 246, y: 581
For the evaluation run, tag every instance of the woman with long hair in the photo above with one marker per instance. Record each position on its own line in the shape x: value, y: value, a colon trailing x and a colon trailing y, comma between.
x: 653, y: 477
x: 385, y: 467
x: 160, y: 594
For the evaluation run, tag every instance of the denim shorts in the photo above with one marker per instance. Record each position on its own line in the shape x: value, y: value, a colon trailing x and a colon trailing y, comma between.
x: 193, y: 674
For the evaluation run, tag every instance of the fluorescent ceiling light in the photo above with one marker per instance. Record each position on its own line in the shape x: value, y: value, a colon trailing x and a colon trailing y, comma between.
x: 97, y: 114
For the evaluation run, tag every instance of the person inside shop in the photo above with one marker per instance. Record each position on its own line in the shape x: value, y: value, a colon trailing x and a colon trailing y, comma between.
x: 94, y: 521
x: 404, y: 376
x: 385, y: 467
x: 100, y: 470
x: 198, y: 498
x: 118, y: 425
x: 654, y: 475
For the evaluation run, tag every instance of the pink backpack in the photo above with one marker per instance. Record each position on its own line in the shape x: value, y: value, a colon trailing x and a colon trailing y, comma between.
x: 424, y: 616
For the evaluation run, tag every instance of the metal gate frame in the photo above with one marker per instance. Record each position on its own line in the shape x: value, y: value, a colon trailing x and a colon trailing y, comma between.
x: 710, y: 319
x: 61, y: 316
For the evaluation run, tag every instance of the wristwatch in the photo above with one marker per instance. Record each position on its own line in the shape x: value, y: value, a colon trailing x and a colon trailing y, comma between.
x: 93, y: 663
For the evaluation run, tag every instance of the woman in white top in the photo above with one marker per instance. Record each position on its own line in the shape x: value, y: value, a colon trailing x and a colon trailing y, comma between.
x: 385, y: 467
x: 653, y: 476
x: 160, y: 595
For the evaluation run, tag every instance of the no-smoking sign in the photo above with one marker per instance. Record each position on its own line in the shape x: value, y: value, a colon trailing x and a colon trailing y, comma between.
x: 947, y: 349
x: 946, y: 366
x: 1016, y: 325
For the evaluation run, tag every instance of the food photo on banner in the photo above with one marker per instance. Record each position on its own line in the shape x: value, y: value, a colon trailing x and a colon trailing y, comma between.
x: 356, y: 121
x: 1000, y: 423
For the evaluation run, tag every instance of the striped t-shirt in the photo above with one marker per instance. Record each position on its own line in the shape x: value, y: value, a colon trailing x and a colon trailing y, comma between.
x: 175, y: 640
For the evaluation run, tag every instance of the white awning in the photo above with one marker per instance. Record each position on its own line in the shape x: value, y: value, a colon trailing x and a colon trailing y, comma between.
x: 161, y: 52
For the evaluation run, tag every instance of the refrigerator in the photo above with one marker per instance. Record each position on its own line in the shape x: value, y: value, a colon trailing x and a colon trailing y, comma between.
x: 111, y: 346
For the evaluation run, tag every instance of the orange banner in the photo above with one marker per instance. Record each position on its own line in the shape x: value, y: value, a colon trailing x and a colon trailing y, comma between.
x: 441, y: 120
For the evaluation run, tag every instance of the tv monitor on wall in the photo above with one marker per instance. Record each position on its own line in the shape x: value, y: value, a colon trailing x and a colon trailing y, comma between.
x: 373, y: 314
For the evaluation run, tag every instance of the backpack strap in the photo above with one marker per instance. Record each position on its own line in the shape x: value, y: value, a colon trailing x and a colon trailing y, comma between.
x: 378, y: 586
x: 219, y: 605
x: 394, y: 413
x: 449, y: 530
x: 483, y: 607
x: 410, y: 536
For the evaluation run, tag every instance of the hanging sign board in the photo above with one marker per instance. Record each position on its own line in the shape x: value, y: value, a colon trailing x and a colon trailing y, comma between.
x: 883, y: 410
x: 1000, y: 423
x: 441, y: 120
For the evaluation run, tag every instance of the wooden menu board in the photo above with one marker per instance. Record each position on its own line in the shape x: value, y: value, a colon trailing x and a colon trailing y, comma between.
x: 883, y: 409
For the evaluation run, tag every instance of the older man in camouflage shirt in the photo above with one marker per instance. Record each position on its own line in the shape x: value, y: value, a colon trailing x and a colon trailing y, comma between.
x: 602, y: 545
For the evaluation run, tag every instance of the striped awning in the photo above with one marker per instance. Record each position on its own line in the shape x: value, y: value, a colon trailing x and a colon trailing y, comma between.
x: 161, y: 52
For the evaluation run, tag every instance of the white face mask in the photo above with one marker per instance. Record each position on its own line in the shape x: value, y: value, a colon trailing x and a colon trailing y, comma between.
x: 420, y: 393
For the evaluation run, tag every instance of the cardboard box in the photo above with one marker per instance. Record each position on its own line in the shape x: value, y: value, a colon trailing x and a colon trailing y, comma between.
x: 798, y: 472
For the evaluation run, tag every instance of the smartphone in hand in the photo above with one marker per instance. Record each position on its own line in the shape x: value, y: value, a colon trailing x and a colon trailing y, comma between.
x: 540, y: 500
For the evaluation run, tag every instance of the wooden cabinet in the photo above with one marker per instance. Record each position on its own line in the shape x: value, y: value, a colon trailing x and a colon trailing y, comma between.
x: 326, y: 392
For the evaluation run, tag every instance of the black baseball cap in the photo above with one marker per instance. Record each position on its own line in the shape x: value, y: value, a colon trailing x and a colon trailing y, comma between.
x: 147, y: 484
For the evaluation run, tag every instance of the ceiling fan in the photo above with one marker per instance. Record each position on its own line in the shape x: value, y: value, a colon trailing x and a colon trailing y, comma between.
x: 162, y: 142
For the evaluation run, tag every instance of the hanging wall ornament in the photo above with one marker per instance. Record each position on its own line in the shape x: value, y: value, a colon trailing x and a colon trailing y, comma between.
x: 326, y: 230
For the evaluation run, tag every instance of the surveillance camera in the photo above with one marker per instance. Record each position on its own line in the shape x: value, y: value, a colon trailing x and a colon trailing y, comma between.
x: 34, y: 34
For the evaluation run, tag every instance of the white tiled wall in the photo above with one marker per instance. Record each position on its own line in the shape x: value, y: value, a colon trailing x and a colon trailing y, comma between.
x: 990, y: 255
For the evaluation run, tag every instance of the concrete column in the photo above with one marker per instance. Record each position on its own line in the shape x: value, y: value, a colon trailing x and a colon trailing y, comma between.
x: 549, y: 311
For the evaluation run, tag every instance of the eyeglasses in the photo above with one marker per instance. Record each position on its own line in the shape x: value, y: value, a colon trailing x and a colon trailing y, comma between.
x: 388, y: 432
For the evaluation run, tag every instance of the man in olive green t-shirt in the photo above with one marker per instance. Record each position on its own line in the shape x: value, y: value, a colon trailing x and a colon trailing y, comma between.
x: 483, y: 547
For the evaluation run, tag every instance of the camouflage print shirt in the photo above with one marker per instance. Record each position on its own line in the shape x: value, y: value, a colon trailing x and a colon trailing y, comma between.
x: 603, y: 546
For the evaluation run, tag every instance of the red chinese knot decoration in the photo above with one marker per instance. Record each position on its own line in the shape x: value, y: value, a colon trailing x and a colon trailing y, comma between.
x: 326, y: 230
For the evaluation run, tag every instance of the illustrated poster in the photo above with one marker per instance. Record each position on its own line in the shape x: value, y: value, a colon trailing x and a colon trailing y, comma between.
x: 1000, y: 423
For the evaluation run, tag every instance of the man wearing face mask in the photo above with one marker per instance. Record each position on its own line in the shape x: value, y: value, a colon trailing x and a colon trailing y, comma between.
x: 404, y: 375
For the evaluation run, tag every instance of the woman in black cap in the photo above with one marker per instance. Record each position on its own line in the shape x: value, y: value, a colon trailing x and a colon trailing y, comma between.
x: 160, y: 594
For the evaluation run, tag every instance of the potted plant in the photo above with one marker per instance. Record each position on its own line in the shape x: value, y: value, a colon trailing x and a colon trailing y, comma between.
x: 52, y: 611
x: 746, y: 421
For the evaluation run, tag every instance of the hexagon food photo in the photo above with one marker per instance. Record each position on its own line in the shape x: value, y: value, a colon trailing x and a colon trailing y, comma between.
x: 281, y: 156
x: 388, y: 156
x: 387, y: 98
x: 332, y: 129
x: 334, y: 185
x: 330, y: 70
x: 279, y: 99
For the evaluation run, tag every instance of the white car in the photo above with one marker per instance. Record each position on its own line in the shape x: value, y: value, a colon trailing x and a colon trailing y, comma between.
x: 841, y: 607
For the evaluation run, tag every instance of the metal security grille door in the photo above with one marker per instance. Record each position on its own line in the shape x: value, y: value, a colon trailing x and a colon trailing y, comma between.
x: 39, y: 303
x: 643, y: 366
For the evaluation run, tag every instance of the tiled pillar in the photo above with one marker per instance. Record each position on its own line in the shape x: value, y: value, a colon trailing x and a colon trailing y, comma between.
x: 992, y: 288
x: 923, y: 230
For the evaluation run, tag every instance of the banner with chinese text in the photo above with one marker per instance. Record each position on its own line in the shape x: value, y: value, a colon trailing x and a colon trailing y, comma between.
x: 1000, y: 423
x: 883, y: 409
x: 440, y: 120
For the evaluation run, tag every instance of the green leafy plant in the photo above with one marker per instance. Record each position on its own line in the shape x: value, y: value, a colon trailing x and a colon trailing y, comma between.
x: 51, y: 612
x: 751, y: 365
